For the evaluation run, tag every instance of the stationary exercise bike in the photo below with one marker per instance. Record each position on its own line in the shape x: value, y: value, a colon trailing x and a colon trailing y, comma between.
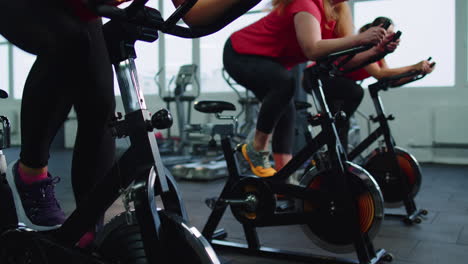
x: 340, y: 208
x: 147, y: 232
x: 395, y: 169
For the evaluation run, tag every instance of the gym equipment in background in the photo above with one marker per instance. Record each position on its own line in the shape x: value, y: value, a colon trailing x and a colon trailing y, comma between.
x: 186, y: 90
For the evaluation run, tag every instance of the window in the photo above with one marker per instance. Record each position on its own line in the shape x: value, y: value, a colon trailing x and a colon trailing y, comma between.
x: 211, y: 48
x: 428, y: 28
x: 22, y: 62
x: 4, y: 73
x: 178, y: 53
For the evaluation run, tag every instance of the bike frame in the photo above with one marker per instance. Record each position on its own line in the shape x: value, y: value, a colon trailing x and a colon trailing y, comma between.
x: 412, y: 212
x: 340, y: 191
x: 140, y: 164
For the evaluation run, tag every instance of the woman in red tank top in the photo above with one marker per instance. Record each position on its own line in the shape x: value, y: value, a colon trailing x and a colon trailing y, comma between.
x: 260, y: 55
x: 344, y: 94
x: 380, y: 69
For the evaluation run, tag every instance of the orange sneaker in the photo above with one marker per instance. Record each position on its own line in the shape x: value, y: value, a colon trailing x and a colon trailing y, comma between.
x: 258, y: 160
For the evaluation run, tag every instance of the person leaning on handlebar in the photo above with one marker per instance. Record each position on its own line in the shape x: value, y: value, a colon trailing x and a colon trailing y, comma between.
x: 259, y: 58
x: 380, y: 69
x: 344, y: 94
x: 71, y: 70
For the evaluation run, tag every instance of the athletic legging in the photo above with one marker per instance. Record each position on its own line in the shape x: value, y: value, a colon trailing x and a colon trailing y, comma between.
x: 72, y: 69
x: 273, y: 85
x: 342, y: 94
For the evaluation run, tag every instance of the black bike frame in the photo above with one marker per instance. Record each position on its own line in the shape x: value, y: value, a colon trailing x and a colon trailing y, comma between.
x: 384, y: 130
x: 140, y: 164
x: 340, y: 191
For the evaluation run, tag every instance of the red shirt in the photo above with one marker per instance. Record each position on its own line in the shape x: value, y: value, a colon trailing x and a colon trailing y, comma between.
x: 275, y: 35
x: 360, y: 74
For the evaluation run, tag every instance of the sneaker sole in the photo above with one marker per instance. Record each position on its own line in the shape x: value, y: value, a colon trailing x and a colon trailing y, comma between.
x: 246, y: 157
x: 20, y: 212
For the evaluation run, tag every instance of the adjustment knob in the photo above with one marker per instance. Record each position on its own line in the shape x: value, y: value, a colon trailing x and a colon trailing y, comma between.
x: 340, y: 116
x: 162, y: 119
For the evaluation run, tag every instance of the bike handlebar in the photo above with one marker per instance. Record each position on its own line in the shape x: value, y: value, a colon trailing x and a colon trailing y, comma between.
x: 135, y: 13
x: 392, y: 81
x: 330, y: 58
x: 3, y: 94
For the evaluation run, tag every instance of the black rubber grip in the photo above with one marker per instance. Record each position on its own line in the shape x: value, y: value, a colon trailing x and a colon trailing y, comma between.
x: 396, y: 36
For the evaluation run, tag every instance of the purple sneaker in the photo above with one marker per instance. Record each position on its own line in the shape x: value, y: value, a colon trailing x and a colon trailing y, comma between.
x: 36, y: 205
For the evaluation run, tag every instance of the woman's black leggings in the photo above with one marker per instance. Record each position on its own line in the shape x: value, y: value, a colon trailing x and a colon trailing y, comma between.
x: 342, y: 94
x: 72, y: 69
x: 273, y: 85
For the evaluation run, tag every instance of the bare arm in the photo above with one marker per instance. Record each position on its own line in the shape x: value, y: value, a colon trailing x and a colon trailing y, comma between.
x: 206, y: 11
x: 309, y: 36
x: 379, y: 72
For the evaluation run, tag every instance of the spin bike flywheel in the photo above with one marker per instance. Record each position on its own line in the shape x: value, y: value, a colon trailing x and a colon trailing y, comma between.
x: 121, y: 241
x: 380, y: 165
x: 325, y: 227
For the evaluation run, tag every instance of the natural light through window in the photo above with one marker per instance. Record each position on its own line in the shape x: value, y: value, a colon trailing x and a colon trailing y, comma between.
x: 21, y: 66
x: 428, y: 28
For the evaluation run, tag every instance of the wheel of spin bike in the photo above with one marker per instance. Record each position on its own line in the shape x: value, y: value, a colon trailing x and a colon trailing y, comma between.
x: 120, y: 241
x: 265, y: 200
x: 21, y: 247
x: 379, y: 165
x: 325, y: 228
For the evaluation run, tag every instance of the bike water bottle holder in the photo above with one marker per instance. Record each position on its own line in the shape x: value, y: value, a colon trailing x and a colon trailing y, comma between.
x: 5, y: 129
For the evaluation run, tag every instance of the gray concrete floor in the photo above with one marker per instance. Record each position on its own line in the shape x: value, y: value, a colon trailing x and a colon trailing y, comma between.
x: 440, y: 239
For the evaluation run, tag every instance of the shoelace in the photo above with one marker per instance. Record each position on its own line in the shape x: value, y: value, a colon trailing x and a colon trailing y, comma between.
x: 48, y: 199
x: 266, y: 160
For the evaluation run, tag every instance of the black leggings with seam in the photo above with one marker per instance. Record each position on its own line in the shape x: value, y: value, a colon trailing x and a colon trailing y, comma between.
x: 72, y: 69
x: 273, y: 85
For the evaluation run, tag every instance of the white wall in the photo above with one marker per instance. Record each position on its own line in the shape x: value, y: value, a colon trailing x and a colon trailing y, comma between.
x: 430, y: 116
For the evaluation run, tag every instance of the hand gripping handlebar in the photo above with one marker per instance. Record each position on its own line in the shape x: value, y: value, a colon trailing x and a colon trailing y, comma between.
x: 136, y: 13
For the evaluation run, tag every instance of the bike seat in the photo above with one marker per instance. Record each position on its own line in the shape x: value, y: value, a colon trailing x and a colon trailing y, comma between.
x: 3, y: 94
x: 183, y: 98
x: 213, y: 107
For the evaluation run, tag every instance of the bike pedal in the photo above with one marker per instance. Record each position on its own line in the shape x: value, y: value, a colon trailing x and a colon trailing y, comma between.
x: 284, y: 205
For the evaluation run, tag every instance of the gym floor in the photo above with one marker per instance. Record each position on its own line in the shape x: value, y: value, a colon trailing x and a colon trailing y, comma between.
x: 441, y: 238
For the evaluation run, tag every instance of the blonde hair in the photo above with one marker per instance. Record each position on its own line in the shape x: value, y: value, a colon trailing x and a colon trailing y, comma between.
x: 330, y: 10
x: 280, y: 4
x: 338, y: 12
x: 344, y: 21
